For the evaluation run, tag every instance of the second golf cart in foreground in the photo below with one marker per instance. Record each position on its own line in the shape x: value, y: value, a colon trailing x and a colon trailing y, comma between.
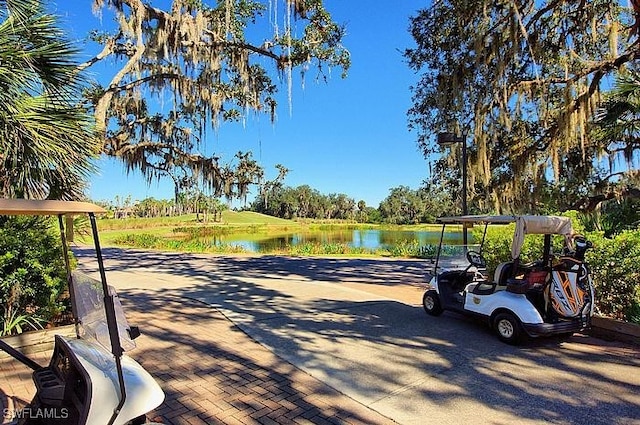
x: 89, y: 379
x: 550, y: 296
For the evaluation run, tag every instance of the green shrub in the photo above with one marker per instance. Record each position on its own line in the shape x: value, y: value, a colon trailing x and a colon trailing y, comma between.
x: 149, y: 241
x: 32, y: 273
x: 633, y: 314
x: 194, y: 232
x: 407, y: 249
x: 427, y: 251
x: 498, y: 240
x: 327, y: 248
x: 140, y: 240
x: 616, y: 274
x: 497, y: 244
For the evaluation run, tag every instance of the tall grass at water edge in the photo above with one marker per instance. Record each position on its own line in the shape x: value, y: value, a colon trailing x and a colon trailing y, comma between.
x: 150, y: 241
x: 205, y: 231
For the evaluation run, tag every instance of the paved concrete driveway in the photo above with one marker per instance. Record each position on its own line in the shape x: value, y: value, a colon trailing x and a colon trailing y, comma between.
x: 358, y: 326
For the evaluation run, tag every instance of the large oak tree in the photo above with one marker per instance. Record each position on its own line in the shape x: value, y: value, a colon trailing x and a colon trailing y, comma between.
x: 194, y: 65
x: 523, y: 79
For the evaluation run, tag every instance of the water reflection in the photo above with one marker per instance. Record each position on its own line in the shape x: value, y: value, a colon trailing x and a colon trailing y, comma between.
x: 366, y: 238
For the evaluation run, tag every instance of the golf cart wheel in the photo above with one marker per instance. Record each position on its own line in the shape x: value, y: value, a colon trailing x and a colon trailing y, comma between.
x: 431, y: 303
x: 508, y: 329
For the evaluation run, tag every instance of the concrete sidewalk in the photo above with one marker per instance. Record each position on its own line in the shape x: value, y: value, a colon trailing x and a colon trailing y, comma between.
x: 210, y: 370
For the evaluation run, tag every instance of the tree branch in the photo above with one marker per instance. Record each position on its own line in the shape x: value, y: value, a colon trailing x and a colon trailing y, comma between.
x: 590, y: 203
x: 107, y: 50
x: 602, y: 67
x: 151, y: 77
x: 550, y: 6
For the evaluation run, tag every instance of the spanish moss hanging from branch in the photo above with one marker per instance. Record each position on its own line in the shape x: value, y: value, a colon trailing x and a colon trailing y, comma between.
x: 523, y: 79
x: 194, y: 66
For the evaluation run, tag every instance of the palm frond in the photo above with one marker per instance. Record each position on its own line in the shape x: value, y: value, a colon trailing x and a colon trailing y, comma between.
x: 46, y: 139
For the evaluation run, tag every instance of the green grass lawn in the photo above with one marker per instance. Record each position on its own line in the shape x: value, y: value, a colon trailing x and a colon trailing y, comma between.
x: 112, y: 229
x: 250, y: 217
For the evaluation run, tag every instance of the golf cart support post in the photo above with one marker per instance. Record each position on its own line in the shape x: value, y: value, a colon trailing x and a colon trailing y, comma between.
x: 13, y: 207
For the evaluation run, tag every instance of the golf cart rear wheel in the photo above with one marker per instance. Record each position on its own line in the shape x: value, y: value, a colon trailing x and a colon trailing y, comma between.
x: 431, y: 303
x: 508, y: 329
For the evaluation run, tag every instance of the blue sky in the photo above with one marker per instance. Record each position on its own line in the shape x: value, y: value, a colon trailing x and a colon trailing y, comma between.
x: 345, y: 136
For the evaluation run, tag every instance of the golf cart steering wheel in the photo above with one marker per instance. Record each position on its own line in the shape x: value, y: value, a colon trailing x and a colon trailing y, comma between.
x: 476, y: 259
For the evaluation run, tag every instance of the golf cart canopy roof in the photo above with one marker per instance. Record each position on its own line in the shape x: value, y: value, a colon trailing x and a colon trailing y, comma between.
x: 46, y: 207
x: 525, y: 224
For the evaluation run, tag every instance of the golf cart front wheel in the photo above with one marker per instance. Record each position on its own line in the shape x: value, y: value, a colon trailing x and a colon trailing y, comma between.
x: 431, y: 303
x: 508, y: 329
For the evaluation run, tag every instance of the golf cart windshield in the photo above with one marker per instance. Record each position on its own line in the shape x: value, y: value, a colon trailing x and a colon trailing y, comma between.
x: 90, y: 309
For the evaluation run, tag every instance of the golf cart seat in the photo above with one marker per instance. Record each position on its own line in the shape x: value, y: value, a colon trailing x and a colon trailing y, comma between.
x: 503, y: 272
x: 528, y: 277
x: 481, y: 287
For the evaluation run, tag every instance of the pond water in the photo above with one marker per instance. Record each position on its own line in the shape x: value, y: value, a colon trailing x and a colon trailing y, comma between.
x: 368, y: 239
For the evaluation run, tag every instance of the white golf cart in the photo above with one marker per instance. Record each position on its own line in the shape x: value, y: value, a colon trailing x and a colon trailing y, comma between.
x: 551, y: 296
x: 89, y: 379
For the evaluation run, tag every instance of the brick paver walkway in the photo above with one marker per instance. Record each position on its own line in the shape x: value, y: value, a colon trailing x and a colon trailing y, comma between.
x: 16, y: 386
x: 211, y: 372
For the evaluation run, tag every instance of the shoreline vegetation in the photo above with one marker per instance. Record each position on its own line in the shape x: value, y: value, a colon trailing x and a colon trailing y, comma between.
x: 189, y: 233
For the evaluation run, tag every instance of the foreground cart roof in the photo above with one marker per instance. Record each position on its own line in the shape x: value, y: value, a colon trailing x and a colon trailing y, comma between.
x: 538, y: 224
x: 46, y: 207
x: 497, y: 219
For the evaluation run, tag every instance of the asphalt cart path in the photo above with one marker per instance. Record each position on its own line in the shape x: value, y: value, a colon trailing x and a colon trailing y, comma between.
x: 357, y: 325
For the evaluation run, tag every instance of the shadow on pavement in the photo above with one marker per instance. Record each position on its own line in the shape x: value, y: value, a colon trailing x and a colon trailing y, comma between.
x: 212, y: 372
x: 387, y: 272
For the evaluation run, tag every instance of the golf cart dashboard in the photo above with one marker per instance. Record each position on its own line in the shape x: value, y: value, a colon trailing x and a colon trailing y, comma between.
x: 457, y: 280
x: 62, y: 390
x: 65, y: 368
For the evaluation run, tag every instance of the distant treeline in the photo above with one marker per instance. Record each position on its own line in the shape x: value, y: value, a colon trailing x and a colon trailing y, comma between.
x: 210, y: 207
x: 402, y: 206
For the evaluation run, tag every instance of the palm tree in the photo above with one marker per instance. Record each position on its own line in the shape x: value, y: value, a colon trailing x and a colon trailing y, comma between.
x: 248, y: 172
x: 617, y: 141
x: 619, y: 119
x: 46, y: 137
